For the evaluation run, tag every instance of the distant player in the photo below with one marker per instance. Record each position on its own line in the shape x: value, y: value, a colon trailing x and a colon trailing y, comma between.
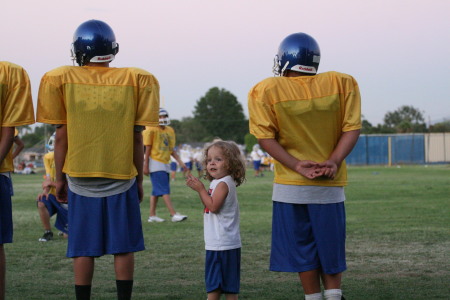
x: 159, y: 144
x: 99, y: 113
x: 16, y: 110
x: 187, y: 158
x: 225, y: 168
x: 308, y: 123
x: 257, y: 156
x: 46, y: 201
x: 198, y: 160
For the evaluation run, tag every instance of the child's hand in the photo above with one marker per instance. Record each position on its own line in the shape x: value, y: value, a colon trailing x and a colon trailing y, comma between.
x: 194, y: 183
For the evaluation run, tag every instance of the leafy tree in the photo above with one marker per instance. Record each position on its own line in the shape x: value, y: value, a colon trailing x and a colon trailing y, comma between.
x: 440, y: 127
x: 249, y: 141
x: 221, y: 115
x: 367, y: 127
x: 405, y: 119
x: 31, y: 139
x: 189, y: 130
x: 39, y: 134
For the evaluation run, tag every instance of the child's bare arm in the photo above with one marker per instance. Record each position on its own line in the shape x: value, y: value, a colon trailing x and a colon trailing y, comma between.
x: 307, y: 168
x: 213, y: 203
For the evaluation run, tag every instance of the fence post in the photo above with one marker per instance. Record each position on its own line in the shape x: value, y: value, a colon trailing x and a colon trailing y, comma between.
x: 389, y: 151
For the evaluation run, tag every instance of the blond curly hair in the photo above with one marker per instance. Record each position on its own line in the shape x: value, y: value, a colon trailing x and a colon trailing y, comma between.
x: 234, y: 161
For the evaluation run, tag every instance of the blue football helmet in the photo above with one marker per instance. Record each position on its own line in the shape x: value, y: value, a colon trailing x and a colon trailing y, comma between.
x: 163, y: 117
x: 94, y: 41
x: 297, y: 52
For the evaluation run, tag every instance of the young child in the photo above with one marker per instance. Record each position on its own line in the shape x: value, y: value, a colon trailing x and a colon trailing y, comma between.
x: 159, y: 144
x: 99, y: 113
x: 16, y: 110
x: 225, y: 168
x: 308, y: 123
x: 46, y: 201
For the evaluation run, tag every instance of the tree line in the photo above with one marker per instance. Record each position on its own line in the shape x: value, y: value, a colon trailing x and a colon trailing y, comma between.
x: 218, y: 114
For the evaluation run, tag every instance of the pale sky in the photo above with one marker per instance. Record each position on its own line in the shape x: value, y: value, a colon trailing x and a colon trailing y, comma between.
x: 397, y: 50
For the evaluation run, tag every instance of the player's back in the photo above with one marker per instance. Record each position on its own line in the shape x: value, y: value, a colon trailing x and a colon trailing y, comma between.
x: 16, y: 107
x: 162, y: 140
x: 307, y: 114
x: 100, y: 106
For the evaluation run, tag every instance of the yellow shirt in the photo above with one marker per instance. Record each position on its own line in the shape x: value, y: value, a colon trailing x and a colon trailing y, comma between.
x: 16, y: 107
x: 49, y: 164
x: 162, y: 141
x: 100, y: 106
x: 307, y: 116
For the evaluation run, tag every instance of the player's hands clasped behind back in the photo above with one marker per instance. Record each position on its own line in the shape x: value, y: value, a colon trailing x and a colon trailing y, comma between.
x: 311, y: 169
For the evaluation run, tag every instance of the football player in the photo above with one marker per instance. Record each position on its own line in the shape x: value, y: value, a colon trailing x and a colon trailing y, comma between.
x: 93, y: 106
x: 308, y: 123
x: 16, y: 110
x: 46, y: 201
x: 159, y: 144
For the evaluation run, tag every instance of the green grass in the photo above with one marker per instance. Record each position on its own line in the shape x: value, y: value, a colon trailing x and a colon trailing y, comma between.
x: 398, y: 241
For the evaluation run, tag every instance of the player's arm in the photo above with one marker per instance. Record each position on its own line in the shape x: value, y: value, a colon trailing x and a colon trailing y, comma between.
x: 19, y: 146
x: 6, y: 141
x: 60, y: 158
x: 343, y: 148
x: 307, y: 168
x: 213, y: 203
x: 138, y: 159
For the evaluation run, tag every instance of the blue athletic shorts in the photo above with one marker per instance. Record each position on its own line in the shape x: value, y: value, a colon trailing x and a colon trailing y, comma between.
x: 173, y: 166
x: 189, y: 165
x: 107, y: 225
x: 160, y: 183
x: 54, y: 207
x: 6, y: 222
x: 223, y: 271
x: 307, y: 237
x: 256, y: 164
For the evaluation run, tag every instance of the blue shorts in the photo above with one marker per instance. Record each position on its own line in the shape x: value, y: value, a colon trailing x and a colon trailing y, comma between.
x: 173, y: 166
x: 199, y: 166
x: 256, y: 164
x: 189, y: 165
x: 306, y: 237
x: 54, y: 207
x: 107, y: 225
x: 160, y: 183
x: 223, y: 271
x: 6, y: 222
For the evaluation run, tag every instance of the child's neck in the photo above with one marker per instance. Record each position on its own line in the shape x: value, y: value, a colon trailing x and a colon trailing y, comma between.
x: 222, y: 176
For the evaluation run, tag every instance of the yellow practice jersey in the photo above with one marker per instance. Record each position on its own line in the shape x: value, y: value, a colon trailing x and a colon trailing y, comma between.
x: 307, y: 116
x: 100, y: 106
x: 50, y: 171
x: 161, y: 140
x: 16, y: 107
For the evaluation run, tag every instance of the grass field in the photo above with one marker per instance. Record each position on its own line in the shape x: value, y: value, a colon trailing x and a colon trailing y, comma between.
x: 398, y: 242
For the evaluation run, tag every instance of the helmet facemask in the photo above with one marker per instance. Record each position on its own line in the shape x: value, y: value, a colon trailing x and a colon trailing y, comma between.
x: 164, y: 117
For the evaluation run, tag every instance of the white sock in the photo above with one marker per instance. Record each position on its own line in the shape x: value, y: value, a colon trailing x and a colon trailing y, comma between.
x: 316, y: 296
x: 334, y: 294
